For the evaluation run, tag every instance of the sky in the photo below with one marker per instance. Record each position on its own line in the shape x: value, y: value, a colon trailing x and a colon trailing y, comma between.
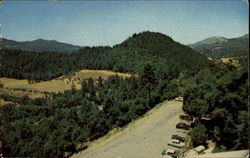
x: 95, y: 23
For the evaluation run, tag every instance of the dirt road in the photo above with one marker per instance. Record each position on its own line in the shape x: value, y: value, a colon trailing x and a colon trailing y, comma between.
x: 144, y: 138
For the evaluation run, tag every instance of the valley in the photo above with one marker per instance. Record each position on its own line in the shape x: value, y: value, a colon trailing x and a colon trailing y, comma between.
x: 124, y: 79
x: 116, y: 101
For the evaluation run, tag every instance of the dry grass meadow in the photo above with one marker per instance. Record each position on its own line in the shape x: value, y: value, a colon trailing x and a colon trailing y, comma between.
x: 16, y: 87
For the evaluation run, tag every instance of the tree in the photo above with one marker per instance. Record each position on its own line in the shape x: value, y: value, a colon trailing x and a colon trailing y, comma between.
x: 148, y: 79
x: 84, y: 87
x: 199, y: 134
x: 1, y: 85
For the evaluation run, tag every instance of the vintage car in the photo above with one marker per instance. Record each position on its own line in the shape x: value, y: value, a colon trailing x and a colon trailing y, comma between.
x: 182, y: 125
x: 180, y: 145
x: 186, y: 117
x: 171, y: 153
x: 175, y: 136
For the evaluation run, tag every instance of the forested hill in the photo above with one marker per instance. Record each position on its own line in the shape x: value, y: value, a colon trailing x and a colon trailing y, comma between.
x: 156, y: 44
x: 223, y: 47
x: 64, y: 123
x: 40, y: 45
x: 164, y: 54
x: 148, y: 40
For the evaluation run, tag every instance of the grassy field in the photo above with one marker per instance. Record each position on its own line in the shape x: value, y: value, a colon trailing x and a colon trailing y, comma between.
x: 60, y: 84
x: 227, y: 60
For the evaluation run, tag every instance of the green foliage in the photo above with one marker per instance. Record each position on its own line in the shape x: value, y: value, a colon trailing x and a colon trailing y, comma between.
x: 224, y: 100
x: 166, y: 55
x: 53, y: 126
x: 56, y: 125
x: 199, y: 134
x: 148, y: 80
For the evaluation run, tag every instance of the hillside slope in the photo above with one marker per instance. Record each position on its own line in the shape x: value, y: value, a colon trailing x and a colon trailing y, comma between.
x: 159, y: 50
x: 223, y: 47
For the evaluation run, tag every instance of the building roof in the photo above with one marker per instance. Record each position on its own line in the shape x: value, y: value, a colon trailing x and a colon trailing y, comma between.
x: 230, y: 154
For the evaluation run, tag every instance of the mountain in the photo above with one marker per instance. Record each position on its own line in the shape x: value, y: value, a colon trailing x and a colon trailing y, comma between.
x: 40, y: 45
x: 223, y: 47
x: 167, y: 57
x: 156, y: 43
x: 211, y: 40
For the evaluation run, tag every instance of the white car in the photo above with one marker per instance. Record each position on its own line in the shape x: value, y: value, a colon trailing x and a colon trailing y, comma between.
x: 170, y: 153
x: 176, y: 141
x: 180, y: 145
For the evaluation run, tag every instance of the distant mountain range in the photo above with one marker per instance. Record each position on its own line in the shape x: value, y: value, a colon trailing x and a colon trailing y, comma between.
x: 166, y: 55
x: 40, y: 45
x: 223, y: 47
x: 213, y: 46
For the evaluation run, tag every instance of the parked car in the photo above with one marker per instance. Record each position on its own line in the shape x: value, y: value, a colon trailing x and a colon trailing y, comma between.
x: 163, y: 152
x: 186, y: 117
x: 176, y: 141
x: 200, y: 149
x: 175, y: 136
x: 171, y: 152
x: 179, y: 99
x: 182, y: 125
x: 180, y: 145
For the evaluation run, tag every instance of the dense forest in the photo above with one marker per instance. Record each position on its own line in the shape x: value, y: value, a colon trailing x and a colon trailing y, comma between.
x: 155, y: 48
x: 223, y: 99
x: 62, y: 124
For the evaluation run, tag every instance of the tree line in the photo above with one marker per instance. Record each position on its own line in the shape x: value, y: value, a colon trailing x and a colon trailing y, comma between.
x: 55, y: 126
x: 157, y: 49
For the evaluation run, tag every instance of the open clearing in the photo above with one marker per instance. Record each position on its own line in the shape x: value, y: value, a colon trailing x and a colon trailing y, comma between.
x: 59, y: 84
x: 145, y: 137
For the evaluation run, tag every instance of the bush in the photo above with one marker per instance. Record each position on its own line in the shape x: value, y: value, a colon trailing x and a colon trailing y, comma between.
x: 199, y: 134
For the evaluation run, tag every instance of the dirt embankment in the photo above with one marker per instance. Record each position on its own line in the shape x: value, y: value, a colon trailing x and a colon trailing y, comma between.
x: 145, y: 137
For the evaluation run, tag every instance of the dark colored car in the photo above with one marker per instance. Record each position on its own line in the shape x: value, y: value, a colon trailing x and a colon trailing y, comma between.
x: 182, y: 125
x: 175, y: 136
x: 186, y: 117
x: 164, y: 152
x: 176, y: 145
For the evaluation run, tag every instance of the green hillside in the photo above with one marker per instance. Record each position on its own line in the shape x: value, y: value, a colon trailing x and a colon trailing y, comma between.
x: 166, y: 55
x: 218, y: 47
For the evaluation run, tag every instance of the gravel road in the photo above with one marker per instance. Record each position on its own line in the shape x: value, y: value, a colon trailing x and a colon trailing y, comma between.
x: 143, y: 138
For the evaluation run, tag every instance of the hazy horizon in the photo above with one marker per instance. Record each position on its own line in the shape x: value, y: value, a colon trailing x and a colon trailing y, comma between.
x: 87, y: 23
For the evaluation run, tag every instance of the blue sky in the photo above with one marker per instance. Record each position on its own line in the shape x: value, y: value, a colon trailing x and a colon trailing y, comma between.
x: 92, y: 23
